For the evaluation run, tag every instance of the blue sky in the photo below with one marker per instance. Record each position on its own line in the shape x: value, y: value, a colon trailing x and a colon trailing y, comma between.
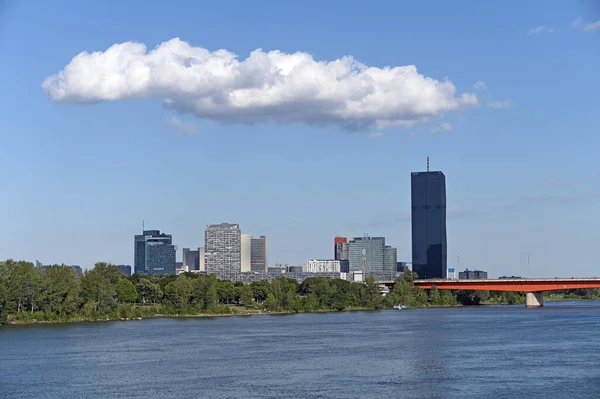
x: 81, y: 172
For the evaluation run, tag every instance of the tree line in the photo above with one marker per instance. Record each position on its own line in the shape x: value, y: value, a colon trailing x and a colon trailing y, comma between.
x: 58, y: 293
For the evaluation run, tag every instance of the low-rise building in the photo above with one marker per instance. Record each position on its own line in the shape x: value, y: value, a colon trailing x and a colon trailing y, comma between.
x: 472, y: 275
x: 323, y: 266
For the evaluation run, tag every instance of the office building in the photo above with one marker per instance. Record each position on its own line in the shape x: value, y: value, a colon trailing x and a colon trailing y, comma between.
x: 390, y: 260
x: 341, y: 253
x: 154, y: 253
x: 191, y: 260
x: 259, y: 254
x: 323, y: 266
x: 179, y: 268
x: 370, y: 252
x: 201, y: 259
x: 76, y: 268
x: 125, y: 269
x: 472, y: 275
x: 222, y: 243
x: 428, y: 210
x: 401, y: 267
x: 245, y: 242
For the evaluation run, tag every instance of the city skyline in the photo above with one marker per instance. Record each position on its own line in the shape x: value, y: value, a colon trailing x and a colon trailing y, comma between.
x: 506, y: 110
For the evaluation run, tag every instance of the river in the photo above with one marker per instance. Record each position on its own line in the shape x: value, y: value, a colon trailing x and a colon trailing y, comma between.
x: 474, y: 352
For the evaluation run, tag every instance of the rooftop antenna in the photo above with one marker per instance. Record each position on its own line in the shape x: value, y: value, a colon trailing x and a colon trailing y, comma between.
x: 143, y: 226
x: 428, y: 164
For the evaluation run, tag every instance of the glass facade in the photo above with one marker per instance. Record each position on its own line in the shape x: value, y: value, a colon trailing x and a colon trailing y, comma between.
x: 371, y: 251
x: 390, y: 260
x: 428, y: 200
x: 154, y: 253
x: 191, y: 259
x: 258, y: 254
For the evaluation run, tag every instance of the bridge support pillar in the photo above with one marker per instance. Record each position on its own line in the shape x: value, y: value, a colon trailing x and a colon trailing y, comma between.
x: 534, y: 299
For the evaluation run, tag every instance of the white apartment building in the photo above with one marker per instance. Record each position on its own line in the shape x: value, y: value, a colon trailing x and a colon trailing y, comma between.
x: 322, y: 266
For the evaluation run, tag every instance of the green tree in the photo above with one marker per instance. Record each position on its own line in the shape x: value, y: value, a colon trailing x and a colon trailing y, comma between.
x: 179, y: 291
x: 244, y: 292
x: 126, y: 291
x: 98, y: 288
x: 62, y: 291
x: 434, y: 296
x: 226, y: 291
x: 374, y: 297
x: 25, y: 286
x: 272, y: 303
x: 260, y: 290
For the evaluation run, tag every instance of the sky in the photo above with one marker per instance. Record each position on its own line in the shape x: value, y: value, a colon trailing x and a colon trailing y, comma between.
x: 301, y: 121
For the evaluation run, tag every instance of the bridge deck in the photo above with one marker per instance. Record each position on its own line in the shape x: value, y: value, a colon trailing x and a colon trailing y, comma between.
x: 516, y: 285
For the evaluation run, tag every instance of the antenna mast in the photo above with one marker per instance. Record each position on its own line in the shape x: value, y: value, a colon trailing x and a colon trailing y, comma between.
x: 428, y: 164
x: 143, y: 227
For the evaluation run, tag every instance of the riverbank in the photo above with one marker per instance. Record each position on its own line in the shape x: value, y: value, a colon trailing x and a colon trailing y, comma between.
x: 234, y: 311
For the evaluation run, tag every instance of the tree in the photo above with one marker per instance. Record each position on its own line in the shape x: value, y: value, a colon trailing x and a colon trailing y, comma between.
x: 98, y: 285
x: 149, y: 291
x: 245, y: 295
x: 226, y: 291
x: 126, y: 291
x: 260, y: 290
x: 373, y: 292
x: 434, y: 296
x: 62, y: 290
x: 25, y: 286
x: 179, y: 291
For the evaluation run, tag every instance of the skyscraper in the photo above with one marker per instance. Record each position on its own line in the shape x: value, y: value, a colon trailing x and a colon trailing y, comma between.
x: 259, y: 261
x: 191, y: 259
x: 340, y: 252
x: 428, y: 200
x: 390, y: 260
x: 154, y: 253
x: 245, y: 252
x: 371, y: 252
x: 222, y: 245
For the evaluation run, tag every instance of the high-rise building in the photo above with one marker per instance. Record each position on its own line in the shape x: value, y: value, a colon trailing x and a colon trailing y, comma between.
x: 336, y: 241
x: 401, y: 267
x: 341, y: 253
x: 202, y: 259
x: 428, y: 200
x: 222, y: 243
x: 154, y: 253
x: 370, y: 252
x: 191, y: 260
x: 259, y: 254
x: 125, y: 269
x: 390, y: 260
x: 245, y: 240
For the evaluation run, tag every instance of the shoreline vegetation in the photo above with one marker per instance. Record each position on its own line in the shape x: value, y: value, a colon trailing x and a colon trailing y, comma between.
x: 57, y: 294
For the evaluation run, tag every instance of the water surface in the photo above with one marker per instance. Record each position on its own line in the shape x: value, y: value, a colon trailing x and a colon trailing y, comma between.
x: 496, y: 352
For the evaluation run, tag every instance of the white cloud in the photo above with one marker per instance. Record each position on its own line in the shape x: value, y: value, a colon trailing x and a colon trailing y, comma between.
x: 443, y: 127
x: 375, y: 135
x: 588, y: 27
x: 540, y: 29
x: 592, y: 27
x: 183, y: 128
x: 479, y: 85
x: 265, y: 87
x: 501, y: 104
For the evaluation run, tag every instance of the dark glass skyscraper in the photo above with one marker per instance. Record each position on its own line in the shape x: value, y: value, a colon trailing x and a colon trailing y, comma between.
x: 154, y: 253
x: 428, y: 199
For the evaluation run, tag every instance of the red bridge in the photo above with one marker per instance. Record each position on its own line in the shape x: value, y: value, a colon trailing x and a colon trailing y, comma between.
x: 534, y: 287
